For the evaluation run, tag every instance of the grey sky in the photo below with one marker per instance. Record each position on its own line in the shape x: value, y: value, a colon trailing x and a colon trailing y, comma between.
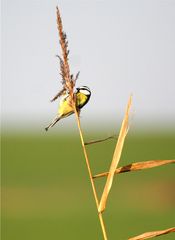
x: 120, y: 47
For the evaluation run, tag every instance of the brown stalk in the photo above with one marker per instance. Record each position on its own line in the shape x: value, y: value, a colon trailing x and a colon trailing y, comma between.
x: 69, y: 83
x: 137, y: 166
x: 152, y: 234
x: 90, y: 174
x: 99, y: 140
x: 116, y: 158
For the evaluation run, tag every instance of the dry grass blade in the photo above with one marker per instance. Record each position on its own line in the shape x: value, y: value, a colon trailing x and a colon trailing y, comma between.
x: 116, y: 158
x: 99, y: 140
x: 137, y: 166
x: 153, y: 234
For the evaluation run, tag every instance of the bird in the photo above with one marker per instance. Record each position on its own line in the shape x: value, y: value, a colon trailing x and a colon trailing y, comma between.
x: 83, y: 95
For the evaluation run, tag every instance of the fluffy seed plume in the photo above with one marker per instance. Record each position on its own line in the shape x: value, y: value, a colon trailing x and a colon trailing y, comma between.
x: 67, y: 79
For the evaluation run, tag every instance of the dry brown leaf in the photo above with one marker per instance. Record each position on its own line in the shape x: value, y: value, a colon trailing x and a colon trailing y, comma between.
x: 116, y: 158
x: 137, y: 166
x: 152, y: 234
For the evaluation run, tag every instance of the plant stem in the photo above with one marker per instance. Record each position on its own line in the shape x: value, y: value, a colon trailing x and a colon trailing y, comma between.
x: 90, y: 174
x: 69, y: 86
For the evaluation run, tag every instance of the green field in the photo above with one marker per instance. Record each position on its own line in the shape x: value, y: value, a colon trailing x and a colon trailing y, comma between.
x: 47, y: 193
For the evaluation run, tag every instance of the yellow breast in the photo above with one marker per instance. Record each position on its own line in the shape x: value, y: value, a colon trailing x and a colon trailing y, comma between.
x: 65, y: 109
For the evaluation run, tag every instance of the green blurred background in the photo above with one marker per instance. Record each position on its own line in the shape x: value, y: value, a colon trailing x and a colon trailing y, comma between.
x: 47, y: 193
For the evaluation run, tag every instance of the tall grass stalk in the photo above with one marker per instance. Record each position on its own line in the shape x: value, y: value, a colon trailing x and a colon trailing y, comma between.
x: 68, y: 81
x: 90, y: 173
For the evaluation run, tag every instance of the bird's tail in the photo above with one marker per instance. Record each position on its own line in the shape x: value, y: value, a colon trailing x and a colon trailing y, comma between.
x: 55, y: 120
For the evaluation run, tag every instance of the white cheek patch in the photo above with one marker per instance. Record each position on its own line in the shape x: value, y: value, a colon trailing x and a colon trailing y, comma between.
x: 85, y: 92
